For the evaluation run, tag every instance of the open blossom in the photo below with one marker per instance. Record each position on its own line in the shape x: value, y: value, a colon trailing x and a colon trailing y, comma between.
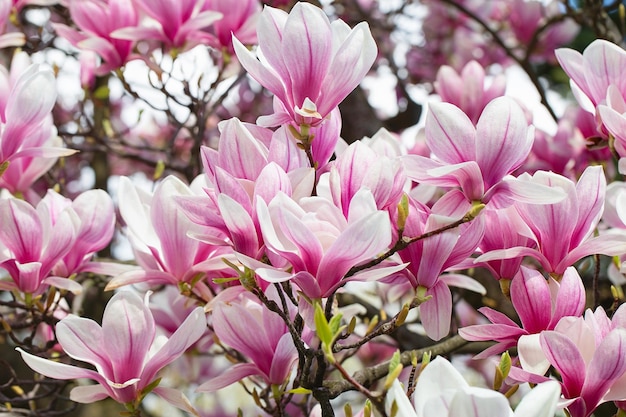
x: 239, y: 21
x: 584, y: 352
x: 310, y: 64
x: 360, y: 166
x: 159, y: 231
x: 442, y: 391
x: 317, y: 245
x: 125, y: 351
x: 478, y: 158
x: 563, y: 231
x: 94, y: 230
x: 531, y: 295
x: 428, y: 258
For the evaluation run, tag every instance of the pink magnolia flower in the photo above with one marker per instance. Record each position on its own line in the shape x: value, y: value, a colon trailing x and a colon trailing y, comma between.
x: 125, y: 350
x: 94, y: 230
x: 563, y: 231
x: 309, y: 64
x: 613, y: 116
x: 270, y: 347
x: 35, y: 240
x: 467, y: 90
x: 180, y: 24
x: 159, y: 233
x: 8, y: 38
x: 237, y: 21
x: 318, y: 244
x: 97, y: 20
x: 442, y: 391
x: 531, y: 295
x: 525, y: 19
x: 583, y: 352
x: 477, y: 159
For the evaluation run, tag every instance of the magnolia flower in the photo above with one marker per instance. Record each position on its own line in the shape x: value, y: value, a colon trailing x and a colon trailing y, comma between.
x: 35, y: 240
x: 125, y: 351
x: 158, y: 231
x: 98, y: 19
x: 239, y: 21
x: 26, y: 129
x: 441, y: 391
x: 317, y: 245
x: 531, y: 295
x: 309, y: 64
x: 179, y: 23
x: 585, y: 353
x: 478, y: 158
x: 563, y: 231
x: 592, y: 72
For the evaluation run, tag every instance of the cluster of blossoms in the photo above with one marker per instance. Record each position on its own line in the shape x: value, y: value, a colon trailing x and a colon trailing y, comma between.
x: 293, y: 253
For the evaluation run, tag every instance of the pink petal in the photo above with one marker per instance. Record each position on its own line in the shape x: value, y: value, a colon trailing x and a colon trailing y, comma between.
x: 188, y: 333
x: 503, y: 142
x: 530, y: 295
x: 233, y: 374
x: 566, y: 358
x: 450, y: 134
x: 605, y: 367
x: 128, y: 331
x: 436, y: 313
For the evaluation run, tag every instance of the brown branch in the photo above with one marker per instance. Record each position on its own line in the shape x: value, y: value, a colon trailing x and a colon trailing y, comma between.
x: 366, y: 377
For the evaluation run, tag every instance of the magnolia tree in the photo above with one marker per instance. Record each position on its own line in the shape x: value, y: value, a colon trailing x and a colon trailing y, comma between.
x: 208, y: 209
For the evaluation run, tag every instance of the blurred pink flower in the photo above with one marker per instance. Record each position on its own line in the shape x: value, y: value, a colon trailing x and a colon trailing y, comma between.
x: 97, y: 20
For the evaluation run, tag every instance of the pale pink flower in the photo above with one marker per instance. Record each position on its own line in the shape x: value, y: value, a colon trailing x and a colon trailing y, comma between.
x: 360, y: 166
x: 319, y: 244
x: 504, y: 228
x: 159, y: 233
x: 592, y: 72
x: 531, y: 295
x: 467, y: 90
x: 309, y: 64
x: 26, y: 129
x: 250, y: 163
x: 125, y: 350
x: 428, y: 258
x: 94, y: 230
